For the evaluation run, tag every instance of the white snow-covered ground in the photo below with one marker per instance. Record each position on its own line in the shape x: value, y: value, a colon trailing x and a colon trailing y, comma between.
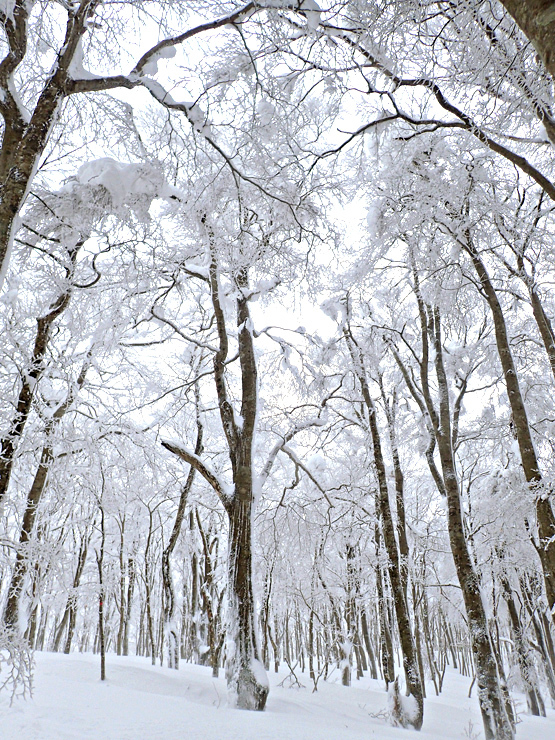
x: 142, y: 702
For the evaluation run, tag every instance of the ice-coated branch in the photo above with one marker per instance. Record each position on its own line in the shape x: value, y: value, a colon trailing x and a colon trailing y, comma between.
x: 222, y: 491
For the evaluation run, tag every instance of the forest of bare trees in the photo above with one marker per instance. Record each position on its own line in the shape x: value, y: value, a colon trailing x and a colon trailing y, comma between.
x: 278, y: 357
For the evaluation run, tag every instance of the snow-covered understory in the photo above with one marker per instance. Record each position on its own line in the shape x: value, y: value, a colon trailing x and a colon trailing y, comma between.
x: 142, y: 702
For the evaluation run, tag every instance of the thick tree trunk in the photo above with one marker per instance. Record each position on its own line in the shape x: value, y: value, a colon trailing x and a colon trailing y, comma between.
x: 401, y: 527
x: 24, y: 142
x: 246, y: 677
x: 386, y: 643
x: 536, y: 18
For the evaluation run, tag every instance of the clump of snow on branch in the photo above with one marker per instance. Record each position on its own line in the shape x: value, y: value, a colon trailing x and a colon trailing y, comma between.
x: 132, y: 186
x: 194, y: 112
x: 335, y: 308
x: 7, y: 8
x: 151, y: 67
x: 312, y: 12
x: 76, y: 69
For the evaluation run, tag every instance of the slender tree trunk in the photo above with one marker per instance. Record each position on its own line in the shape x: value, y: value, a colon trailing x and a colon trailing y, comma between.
x: 494, y: 715
x: 101, y: 597
x: 525, y: 661
x: 70, y: 611
x: 129, y: 603
x: 11, y: 609
x: 148, y: 593
x: 368, y: 643
x: 122, y: 587
x: 544, y: 512
x: 397, y: 577
x: 170, y: 610
x: 9, y: 443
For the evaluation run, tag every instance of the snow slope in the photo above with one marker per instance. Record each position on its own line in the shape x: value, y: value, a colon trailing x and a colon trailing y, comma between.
x: 142, y: 702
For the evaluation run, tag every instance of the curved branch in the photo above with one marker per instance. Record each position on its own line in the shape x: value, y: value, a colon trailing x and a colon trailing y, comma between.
x: 194, y: 461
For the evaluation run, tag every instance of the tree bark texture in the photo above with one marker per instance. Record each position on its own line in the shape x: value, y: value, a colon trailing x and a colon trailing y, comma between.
x: 536, y: 18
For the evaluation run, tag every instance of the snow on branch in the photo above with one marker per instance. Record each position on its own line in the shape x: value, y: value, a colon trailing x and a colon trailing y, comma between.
x: 187, y: 337
x: 293, y: 457
x: 286, y: 438
x: 165, y: 48
x: 225, y: 494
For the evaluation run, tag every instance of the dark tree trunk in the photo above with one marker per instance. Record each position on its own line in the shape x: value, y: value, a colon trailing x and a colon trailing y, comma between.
x: 544, y: 512
x: 170, y: 609
x: 536, y: 18
x: 30, y: 378
x: 11, y: 609
x: 492, y: 704
x: 101, y: 598
x: 148, y: 592
x: 395, y: 570
x: 246, y: 677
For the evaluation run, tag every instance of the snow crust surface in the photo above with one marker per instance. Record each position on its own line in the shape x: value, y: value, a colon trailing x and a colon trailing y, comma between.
x: 142, y: 702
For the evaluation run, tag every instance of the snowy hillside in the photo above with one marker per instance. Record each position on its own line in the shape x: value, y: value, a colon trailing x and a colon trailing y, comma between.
x: 142, y: 702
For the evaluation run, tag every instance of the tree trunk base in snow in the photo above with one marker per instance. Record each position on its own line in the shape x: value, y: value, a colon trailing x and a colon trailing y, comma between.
x: 251, y: 694
x: 406, y: 711
x: 172, y: 647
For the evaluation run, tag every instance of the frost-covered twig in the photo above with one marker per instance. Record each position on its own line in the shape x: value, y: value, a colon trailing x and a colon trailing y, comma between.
x: 16, y: 665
